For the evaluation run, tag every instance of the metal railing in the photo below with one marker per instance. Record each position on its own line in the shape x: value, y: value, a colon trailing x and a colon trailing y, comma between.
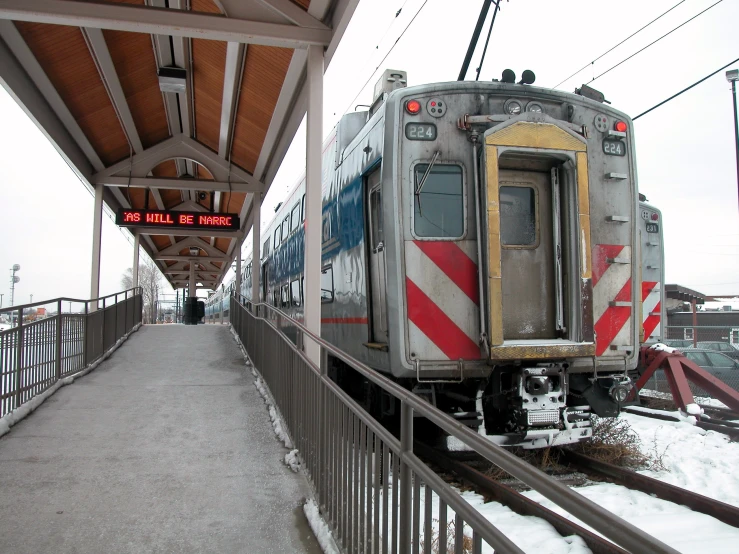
x: 35, y: 354
x: 373, y: 491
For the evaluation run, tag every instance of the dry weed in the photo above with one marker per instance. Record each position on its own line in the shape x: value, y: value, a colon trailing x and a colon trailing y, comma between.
x: 614, y: 442
x: 450, y: 538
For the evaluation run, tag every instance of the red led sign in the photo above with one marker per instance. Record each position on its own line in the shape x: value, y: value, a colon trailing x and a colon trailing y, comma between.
x: 182, y: 220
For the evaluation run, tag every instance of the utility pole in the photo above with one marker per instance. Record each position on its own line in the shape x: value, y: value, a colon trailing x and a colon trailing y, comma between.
x: 732, y: 76
x: 13, y: 280
x: 31, y: 300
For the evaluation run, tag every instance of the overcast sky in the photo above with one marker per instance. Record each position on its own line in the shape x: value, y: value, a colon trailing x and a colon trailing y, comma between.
x: 685, y: 149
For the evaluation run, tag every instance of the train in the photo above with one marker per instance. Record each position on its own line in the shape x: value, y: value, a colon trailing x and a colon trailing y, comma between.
x: 481, y: 245
x: 652, y: 272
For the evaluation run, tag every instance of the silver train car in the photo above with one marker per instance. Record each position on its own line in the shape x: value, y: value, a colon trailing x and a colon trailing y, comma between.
x: 652, y: 301
x: 478, y: 246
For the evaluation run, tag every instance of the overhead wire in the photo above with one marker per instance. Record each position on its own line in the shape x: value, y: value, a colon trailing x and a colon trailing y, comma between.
x: 619, y: 44
x: 386, y: 55
x: 684, y: 90
x: 395, y: 18
x: 655, y: 41
x: 487, y: 40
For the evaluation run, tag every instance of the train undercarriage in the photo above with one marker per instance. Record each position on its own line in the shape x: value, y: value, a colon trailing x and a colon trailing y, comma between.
x: 530, y: 406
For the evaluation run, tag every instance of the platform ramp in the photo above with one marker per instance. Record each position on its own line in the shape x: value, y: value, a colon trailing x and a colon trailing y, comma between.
x: 166, y: 447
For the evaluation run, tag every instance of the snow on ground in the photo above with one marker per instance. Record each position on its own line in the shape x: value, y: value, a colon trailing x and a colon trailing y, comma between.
x: 677, y: 526
x: 697, y: 460
x: 531, y: 534
x: 700, y: 461
x: 694, y: 459
x: 320, y: 529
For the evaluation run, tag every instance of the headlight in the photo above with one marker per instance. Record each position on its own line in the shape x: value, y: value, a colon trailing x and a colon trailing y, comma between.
x: 534, y: 107
x: 513, y: 107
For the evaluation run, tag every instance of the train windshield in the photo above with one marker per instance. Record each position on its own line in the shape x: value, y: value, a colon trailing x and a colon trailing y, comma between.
x: 439, y: 202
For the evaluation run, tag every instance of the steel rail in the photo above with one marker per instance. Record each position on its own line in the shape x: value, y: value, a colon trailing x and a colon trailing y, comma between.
x: 516, y: 501
x: 697, y: 502
x: 618, y: 530
x: 725, y: 427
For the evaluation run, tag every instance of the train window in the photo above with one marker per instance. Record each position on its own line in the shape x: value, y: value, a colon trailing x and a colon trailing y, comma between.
x: 295, y: 217
x: 302, y: 209
x: 285, y: 296
x: 277, y: 237
x: 517, y: 216
x: 265, y: 249
x: 327, y: 284
x: 296, y: 293
x: 285, y: 227
x: 439, y: 204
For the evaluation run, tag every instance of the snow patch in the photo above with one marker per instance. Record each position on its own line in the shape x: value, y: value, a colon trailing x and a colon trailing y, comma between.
x: 659, y: 347
x: 274, y: 414
x: 292, y: 459
x: 453, y: 444
x: 693, y: 409
x: 320, y: 529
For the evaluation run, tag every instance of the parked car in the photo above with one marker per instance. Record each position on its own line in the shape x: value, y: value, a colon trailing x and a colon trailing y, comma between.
x: 4, y: 326
x: 679, y: 343
x: 723, y: 347
x: 715, y: 363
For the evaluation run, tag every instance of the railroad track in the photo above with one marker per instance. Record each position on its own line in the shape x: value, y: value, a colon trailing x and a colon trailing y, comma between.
x: 728, y: 428
x: 630, y: 479
x: 508, y: 496
x: 461, y: 466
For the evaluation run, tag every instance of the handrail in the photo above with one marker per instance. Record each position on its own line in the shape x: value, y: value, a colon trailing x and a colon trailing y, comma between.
x: 608, y: 524
x: 36, y: 355
x: 65, y: 299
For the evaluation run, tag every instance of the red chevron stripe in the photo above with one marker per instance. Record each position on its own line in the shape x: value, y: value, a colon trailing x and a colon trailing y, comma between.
x: 455, y: 264
x: 601, y: 253
x: 651, y: 322
x: 646, y: 288
x: 438, y: 327
x: 613, y: 320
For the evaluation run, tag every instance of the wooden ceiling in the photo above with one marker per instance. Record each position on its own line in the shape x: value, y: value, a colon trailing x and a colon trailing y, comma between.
x: 100, y: 81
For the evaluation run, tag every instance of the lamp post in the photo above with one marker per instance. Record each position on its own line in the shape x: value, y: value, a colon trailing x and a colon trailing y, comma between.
x: 732, y: 76
x: 13, y: 280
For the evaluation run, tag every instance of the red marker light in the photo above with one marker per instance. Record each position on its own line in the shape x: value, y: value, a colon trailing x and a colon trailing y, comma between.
x: 620, y: 126
x: 413, y: 107
x: 655, y: 217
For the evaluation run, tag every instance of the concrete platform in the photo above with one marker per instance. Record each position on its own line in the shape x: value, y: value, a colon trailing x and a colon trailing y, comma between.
x: 165, y: 447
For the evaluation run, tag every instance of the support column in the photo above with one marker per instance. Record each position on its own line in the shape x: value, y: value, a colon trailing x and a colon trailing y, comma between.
x: 193, y: 286
x: 191, y: 304
x: 312, y: 292
x: 97, y: 222
x: 238, y: 268
x: 256, y: 239
x: 135, y: 269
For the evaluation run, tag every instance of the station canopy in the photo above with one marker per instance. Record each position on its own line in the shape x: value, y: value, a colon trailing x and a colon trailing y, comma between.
x: 181, y: 105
